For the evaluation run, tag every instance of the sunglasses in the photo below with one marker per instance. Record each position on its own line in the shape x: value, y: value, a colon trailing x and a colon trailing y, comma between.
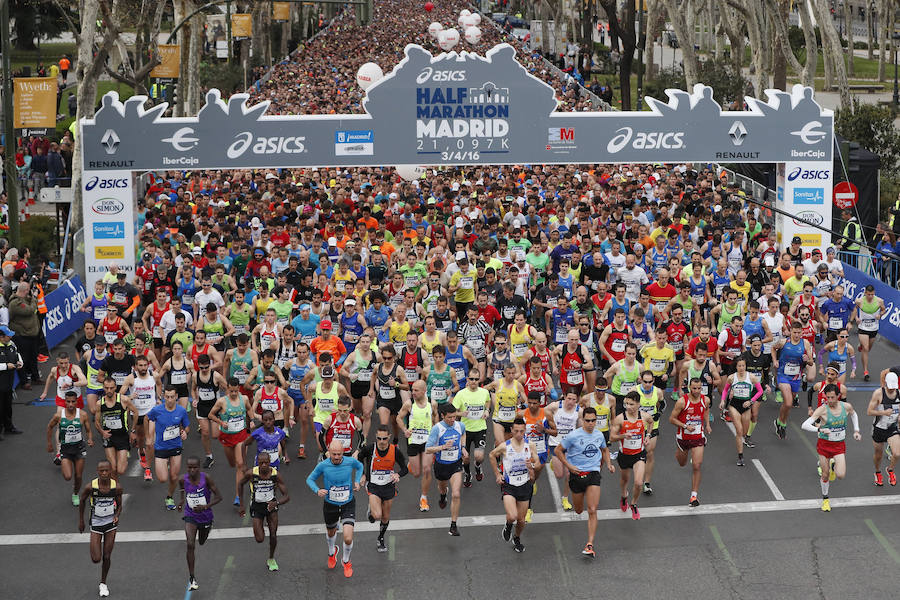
x: 382, y: 439
x: 269, y: 381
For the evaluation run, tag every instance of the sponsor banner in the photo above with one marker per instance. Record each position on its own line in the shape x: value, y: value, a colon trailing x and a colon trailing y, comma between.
x: 281, y: 11
x: 170, y: 60
x: 34, y: 103
x: 459, y: 109
x: 64, y: 316
x: 108, y: 223
x: 241, y: 26
x: 855, y: 282
x: 804, y: 191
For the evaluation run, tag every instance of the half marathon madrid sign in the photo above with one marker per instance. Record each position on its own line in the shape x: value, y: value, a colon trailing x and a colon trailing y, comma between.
x: 457, y: 109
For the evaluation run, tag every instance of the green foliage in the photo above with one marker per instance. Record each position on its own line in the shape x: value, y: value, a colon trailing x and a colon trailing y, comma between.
x: 798, y: 42
x: 873, y: 127
x: 227, y: 77
x: 727, y: 84
x: 32, y: 20
x: 38, y: 234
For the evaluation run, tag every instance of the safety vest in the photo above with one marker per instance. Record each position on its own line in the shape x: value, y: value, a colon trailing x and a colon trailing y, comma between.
x: 41, y: 300
x: 851, y: 246
x: 891, y: 220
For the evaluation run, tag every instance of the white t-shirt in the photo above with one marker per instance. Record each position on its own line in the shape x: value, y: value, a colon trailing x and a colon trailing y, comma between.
x: 167, y: 322
x: 633, y: 280
x: 201, y: 299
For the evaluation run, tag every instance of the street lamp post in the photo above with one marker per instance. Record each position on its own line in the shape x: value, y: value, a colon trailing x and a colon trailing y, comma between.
x: 895, y: 37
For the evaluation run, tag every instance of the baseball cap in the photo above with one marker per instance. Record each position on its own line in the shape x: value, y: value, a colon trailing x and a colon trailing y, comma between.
x: 4, y: 330
x: 255, y: 222
x: 796, y: 240
x: 332, y: 241
x: 326, y: 324
x: 461, y: 255
x: 197, y: 250
x: 327, y: 371
x: 890, y: 380
x: 147, y: 256
x: 349, y: 302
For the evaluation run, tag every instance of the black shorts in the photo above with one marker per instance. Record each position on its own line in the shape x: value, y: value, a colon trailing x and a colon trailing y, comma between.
x: 476, y: 439
x: 831, y: 335
x: 140, y: 420
x: 580, y: 483
x: 118, y: 440
x: 872, y: 334
x: 566, y: 388
x: 196, y: 523
x: 101, y: 529
x: 385, y: 492
x: 73, y: 452
x: 654, y: 433
x: 203, y: 409
x: 158, y: 342
x: 260, y: 510
x: 182, y: 391
x: 627, y: 461
x: 358, y: 389
x: 620, y: 404
x: 728, y: 368
x: 393, y: 405
x: 522, y: 493
x: 415, y: 449
x: 880, y: 436
x: 444, y: 471
x: 166, y: 453
x: 507, y: 427
x: 343, y: 513
x: 658, y: 382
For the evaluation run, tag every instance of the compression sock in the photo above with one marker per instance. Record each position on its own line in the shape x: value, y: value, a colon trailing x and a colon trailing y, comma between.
x: 741, y: 455
x: 751, y: 428
x: 332, y: 542
x: 466, y: 468
x: 383, y: 528
x: 477, y: 467
x: 347, y: 549
x: 824, y: 488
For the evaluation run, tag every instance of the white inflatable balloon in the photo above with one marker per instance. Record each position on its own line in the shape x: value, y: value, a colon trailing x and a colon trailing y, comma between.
x: 465, y: 12
x: 463, y: 15
x: 473, y: 35
x: 477, y: 17
x: 448, y: 39
x: 435, y: 28
x: 368, y: 74
x: 410, y: 172
x: 468, y: 21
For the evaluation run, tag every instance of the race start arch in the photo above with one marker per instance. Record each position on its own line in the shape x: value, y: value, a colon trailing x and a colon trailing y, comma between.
x: 449, y: 109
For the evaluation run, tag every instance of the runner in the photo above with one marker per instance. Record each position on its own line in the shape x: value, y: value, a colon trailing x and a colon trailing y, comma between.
x: 230, y: 413
x: 269, y: 440
x: 563, y: 416
x: 342, y: 426
x: 198, y: 495
x: 652, y: 403
x: 885, y: 407
x: 759, y: 363
x: 341, y: 477
x: 537, y: 430
x: 624, y: 375
x: 207, y: 387
x: 359, y: 367
x: 838, y: 352
x: 169, y: 428
x: 789, y: 356
x: 517, y: 457
x: 869, y: 311
x: 473, y: 405
x: 582, y: 452
x: 659, y: 359
x: 105, y: 496
x: 829, y: 421
x: 295, y: 370
x: 143, y: 397
x: 576, y: 367
x: 380, y: 459
x: 74, y: 427
x: 177, y: 372
x: 112, y: 422
x: 509, y: 396
x: 739, y: 393
x: 632, y: 428
x: 264, y: 480
x: 389, y: 380
x: 447, y: 441
x: 690, y: 416
x: 416, y: 418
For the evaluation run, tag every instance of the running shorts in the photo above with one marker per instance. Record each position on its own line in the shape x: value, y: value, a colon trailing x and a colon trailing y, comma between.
x: 343, y: 513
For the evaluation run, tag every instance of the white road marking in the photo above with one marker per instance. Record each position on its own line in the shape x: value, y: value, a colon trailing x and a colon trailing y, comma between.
x: 647, y: 512
x: 554, y: 489
x: 134, y: 469
x: 768, y: 479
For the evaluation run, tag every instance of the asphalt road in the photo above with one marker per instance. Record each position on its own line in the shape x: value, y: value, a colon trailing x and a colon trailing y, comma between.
x: 744, y: 541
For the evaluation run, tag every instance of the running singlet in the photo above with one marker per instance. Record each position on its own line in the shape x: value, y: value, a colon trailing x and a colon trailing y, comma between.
x: 409, y: 362
x: 326, y: 402
x: 536, y: 385
x: 616, y: 341
x: 868, y: 319
x: 103, y: 504
x: 539, y: 439
x: 790, y: 360
x: 565, y: 422
x: 892, y: 404
x: 507, y: 401
x: 820, y: 395
x: 342, y: 431
x: 515, y: 464
x: 572, y: 368
x: 633, y: 442
x: 834, y: 427
x: 459, y: 363
x: 420, y: 423
x: 439, y: 385
x: 692, y: 415
x: 143, y: 394
x: 625, y: 379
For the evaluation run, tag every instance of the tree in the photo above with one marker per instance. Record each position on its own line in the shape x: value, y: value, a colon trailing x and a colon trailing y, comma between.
x: 833, y: 52
x: 136, y: 70
x: 873, y: 127
x: 682, y: 15
x: 34, y: 19
x: 621, y: 28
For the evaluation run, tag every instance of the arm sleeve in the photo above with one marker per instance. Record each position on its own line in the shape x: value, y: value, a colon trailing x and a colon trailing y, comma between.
x: 854, y: 418
x: 758, y: 394
x: 809, y: 395
x: 809, y: 426
x: 726, y: 389
x: 401, y: 461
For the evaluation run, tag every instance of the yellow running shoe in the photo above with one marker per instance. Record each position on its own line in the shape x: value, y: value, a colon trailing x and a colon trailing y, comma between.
x: 528, y: 515
x: 826, y: 505
x: 566, y: 504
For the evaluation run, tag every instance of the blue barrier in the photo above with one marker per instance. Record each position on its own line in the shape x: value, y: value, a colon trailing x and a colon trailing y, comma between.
x: 64, y: 316
x: 855, y: 282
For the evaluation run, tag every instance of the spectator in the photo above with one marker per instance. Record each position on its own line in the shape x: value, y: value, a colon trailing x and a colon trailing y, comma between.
x: 23, y: 320
x: 56, y: 166
x: 64, y: 64
x: 10, y: 360
x: 38, y: 169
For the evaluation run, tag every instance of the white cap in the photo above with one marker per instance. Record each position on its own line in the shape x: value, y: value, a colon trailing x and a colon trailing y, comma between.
x: 349, y: 302
x: 163, y: 197
x: 890, y: 381
x: 271, y: 176
x: 459, y: 222
x: 461, y: 255
x: 455, y: 186
x: 629, y: 174
x: 517, y: 224
x: 255, y: 222
x: 393, y: 195
x: 332, y: 241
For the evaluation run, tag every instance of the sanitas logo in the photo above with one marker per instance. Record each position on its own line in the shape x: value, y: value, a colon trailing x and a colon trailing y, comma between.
x: 808, y: 217
x: 107, y: 206
x: 809, y: 134
x: 181, y: 140
x: 429, y: 73
x: 265, y: 145
x: 670, y: 140
x: 807, y: 174
x: 104, y: 184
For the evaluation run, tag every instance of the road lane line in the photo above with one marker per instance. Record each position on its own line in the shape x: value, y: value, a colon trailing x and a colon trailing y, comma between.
x: 768, y: 479
x: 724, y: 550
x: 134, y: 469
x: 804, y: 437
x: 888, y: 547
x: 563, y: 560
x: 392, y: 547
x: 647, y: 512
x: 225, y: 578
x: 554, y: 489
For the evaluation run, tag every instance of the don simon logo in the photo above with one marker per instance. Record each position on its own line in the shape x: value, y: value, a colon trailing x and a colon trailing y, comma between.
x: 107, y: 206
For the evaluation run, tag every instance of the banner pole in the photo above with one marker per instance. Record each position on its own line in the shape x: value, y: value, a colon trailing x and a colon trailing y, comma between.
x: 9, y: 158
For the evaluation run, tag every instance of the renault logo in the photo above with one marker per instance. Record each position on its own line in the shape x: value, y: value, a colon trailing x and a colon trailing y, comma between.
x: 110, y: 141
x: 737, y: 132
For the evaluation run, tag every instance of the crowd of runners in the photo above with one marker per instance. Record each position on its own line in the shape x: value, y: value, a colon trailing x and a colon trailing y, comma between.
x: 507, y: 320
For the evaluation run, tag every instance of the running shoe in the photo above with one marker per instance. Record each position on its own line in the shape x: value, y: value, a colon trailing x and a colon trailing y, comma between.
x: 442, y: 502
x: 147, y: 475
x: 749, y: 442
x: 826, y: 505
x: 879, y: 479
x: 518, y: 546
x: 588, y: 550
x: 506, y: 534
x: 623, y: 504
x: 647, y: 489
x: 566, y: 504
x: 170, y: 504
x: 332, y: 559
x: 369, y: 515
x: 695, y: 501
x: 273, y: 566
x: 348, y: 569
x: 42, y: 358
x: 57, y: 460
x: 301, y: 452
x: 192, y: 584
x: 454, y: 530
x: 75, y: 500
x: 479, y: 474
x: 208, y: 462
x: 740, y: 461
x: 778, y: 397
x: 819, y: 470
x: 614, y: 455
x: 104, y: 591
x: 534, y: 489
x: 866, y: 376
x: 237, y: 501
x: 423, y: 504
x: 726, y: 416
x: 635, y: 513
x: 467, y: 480
x: 381, y: 545
x: 528, y: 514
x: 892, y: 479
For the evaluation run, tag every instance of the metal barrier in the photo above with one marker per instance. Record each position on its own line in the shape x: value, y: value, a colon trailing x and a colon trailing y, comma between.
x: 882, y: 264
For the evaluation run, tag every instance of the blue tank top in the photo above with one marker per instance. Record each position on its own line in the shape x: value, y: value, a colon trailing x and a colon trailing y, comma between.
x: 194, y: 493
x: 361, y: 273
x: 186, y: 291
x: 295, y: 376
x: 790, y: 359
x: 459, y: 364
x: 613, y: 305
x: 351, y: 329
x: 562, y: 322
x: 98, y: 308
x: 566, y: 284
x: 720, y: 282
x: 268, y: 443
x: 659, y: 259
x: 642, y: 263
x: 698, y: 290
x: 642, y: 335
x: 840, y: 358
x: 753, y: 327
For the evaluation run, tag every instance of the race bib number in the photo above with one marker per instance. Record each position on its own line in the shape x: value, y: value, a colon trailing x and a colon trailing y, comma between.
x: 627, y: 386
x: 467, y: 283
x: 868, y: 324
x: 518, y: 477
x: 273, y: 456
x: 449, y: 456
x: 171, y: 432
x: 241, y: 376
x: 326, y: 405
x: 270, y: 404
x: 439, y: 394
x: 179, y: 378
x: 693, y: 427
x: 207, y: 395
x: 73, y: 437
x: 575, y: 377
x: 118, y: 298
x: 677, y: 346
x: 835, y: 323
x: 633, y: 442
x: 110, y: 336
x: 475, y: 412
x: 419, y: 436
x: 506, y: 413
x: 344, y: 439
x: 214, y: 337
x: 792, y: 369
x: 618, y: 345
x: 99, y: 313
x: 658, y: 365
x: 381, y: 477
x: 235, y: 424
x: 104, y: 508
x: 266, y: 495
x: 195, y: 499
x: 387, y: 392
x: 338, y: 494
x: 112, y: 422
x: 562, y: 335
x: 837, y: 434
x: 602, y: 422
x: 540, y: 445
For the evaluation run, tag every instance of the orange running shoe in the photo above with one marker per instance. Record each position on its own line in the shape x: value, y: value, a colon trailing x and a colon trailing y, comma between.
x: 348, y: 569
x: 879, y: 479
x: 423, y: 504
x: 301, y: 452
x: 332, y: 559
x: 892, y: 479
x: 588, y: 550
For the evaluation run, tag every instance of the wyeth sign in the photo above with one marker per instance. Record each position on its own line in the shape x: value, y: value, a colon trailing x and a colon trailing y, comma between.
x: 457, y: 108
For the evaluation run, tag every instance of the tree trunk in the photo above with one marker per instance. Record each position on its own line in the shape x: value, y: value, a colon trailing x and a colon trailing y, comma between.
x: 681, y: 15
x: 779, y: 60
x: 848, y: 29
x: 831, y: 48
x: 545, y: 28
x: 732, y: 23
x: 193, y: 95
x: 811, y: 45
x: 821, y: 13
x: 624, y: 33
x: 883, y: 29
x: 653, y: 31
